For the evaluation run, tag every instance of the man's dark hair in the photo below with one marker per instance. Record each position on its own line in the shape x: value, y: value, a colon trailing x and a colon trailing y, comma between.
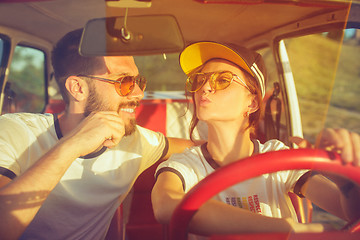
x: 67, y: 61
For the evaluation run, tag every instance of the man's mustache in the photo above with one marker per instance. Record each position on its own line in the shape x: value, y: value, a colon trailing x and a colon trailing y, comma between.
x: 132, y: 104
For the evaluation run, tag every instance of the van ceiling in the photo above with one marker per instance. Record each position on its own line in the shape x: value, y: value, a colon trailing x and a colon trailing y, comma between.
x: 198, y: 21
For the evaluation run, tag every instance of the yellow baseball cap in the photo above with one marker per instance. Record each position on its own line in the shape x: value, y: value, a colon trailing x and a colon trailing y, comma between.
x: 199, y: 53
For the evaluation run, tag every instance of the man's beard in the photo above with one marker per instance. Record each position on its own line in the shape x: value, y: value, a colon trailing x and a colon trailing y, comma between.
x: 94, y: 104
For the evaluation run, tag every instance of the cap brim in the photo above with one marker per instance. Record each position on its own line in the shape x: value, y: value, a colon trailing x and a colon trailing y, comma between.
x: 197, y: 54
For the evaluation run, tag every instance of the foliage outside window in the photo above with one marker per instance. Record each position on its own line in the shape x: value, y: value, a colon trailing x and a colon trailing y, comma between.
x: 326, y: 69
x: 26, y: 81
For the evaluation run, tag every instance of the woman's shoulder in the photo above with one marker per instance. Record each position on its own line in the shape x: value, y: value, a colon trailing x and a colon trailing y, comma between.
x: 188, y: 153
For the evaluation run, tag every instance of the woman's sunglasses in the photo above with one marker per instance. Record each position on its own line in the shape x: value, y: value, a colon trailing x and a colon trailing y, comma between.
x: 124, y: 85
x: 217, y: 80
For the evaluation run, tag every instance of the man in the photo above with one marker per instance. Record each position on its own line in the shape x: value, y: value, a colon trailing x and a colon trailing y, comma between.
x: 62, y: 177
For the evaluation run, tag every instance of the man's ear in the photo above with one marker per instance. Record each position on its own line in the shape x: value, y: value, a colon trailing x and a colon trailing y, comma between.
x: 77, y: 88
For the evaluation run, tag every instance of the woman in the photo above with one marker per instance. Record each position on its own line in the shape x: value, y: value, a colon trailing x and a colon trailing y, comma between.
x: 228, y: 85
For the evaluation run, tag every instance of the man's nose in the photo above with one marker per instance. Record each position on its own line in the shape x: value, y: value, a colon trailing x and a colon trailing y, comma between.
x: 136, y: 93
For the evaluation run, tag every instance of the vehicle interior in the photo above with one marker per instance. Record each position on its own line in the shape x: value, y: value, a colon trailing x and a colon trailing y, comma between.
x: 311, y: 49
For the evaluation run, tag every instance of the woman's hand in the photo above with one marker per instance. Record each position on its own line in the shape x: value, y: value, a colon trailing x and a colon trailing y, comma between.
x: 308, y: 227
x: 342, y: 141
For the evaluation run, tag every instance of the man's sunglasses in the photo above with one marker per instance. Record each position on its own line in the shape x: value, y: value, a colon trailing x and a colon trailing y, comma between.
x: 124, y: 85
x: 217, y: 80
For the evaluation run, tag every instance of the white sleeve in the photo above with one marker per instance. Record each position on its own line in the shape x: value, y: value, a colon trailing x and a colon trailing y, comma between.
x: 12, y: 144
x: 154, y: 145
x: 182, y: 165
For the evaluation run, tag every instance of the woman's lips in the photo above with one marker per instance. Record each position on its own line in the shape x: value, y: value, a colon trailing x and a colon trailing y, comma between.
x: 204, y: 101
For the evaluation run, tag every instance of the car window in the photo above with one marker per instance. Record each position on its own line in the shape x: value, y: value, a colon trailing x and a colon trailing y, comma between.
x: 273, y: 104
x: 4, y: 56
x: 26, y: 80
x: 163, y: 72
x: 326, y: 69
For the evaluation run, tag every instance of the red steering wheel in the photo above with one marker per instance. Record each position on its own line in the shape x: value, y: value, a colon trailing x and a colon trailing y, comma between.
x: 249, y: 168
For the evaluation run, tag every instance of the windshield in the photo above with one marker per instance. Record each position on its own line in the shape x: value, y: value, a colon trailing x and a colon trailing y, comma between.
x: 162, y: 72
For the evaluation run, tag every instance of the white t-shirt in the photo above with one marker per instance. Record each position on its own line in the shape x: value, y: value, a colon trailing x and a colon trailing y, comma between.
x: 266, y: 194
x: 82, y: 204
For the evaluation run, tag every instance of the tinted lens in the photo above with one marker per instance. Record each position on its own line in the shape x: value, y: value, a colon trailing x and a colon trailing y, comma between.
x: 127, y: 84
x: 195, y: 82
x: 221, y: 80
x: 189, y: 84
x: 117, y: 88
x: 141, y: 82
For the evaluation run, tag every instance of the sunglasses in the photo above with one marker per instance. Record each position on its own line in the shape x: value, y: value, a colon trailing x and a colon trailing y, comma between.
x: 124, y: 85
x: 217, y: 80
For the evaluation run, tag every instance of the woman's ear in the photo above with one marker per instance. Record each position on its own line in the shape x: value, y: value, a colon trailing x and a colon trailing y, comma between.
x: 254, y: 104
x: 77, y: 88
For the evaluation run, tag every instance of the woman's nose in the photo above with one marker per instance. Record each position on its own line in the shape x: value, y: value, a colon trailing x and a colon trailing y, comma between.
x: 206, y: 87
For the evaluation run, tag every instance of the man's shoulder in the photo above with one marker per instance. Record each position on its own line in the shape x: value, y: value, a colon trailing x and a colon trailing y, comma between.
x: 26, y: 120
x: 145, y: 132
x: 26, y: 117
x: 143, y: 137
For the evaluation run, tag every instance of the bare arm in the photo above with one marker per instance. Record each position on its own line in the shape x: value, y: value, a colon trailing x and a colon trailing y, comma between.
x: 335, y: 194
x: 21, y: 198
x: 178, y: 145
x: 215, y: 217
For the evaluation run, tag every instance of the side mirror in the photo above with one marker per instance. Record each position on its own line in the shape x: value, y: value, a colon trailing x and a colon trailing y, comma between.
x: 131, y: 36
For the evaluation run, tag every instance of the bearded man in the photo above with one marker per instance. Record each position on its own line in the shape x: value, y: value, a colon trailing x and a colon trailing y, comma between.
x: 62, y: 176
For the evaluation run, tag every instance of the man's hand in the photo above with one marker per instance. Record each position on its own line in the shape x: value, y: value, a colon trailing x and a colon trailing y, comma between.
x: 342, y: 141
x: 95, y: 131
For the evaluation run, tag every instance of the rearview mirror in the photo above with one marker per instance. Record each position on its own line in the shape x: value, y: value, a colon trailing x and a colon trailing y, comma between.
x: 142, y: 35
